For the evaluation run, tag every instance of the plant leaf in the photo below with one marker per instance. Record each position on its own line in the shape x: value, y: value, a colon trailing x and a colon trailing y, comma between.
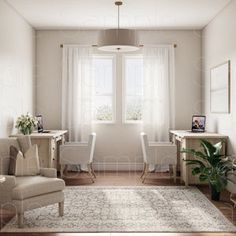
x: 203, y: 177
x: 195, y: 162
x: 194, y: 153
x: 196, y: 170
x: 208, y: 147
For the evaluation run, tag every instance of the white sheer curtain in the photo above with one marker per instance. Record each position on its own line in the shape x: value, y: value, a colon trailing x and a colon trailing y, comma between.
x: 159, y: 77
x: 77, y: 90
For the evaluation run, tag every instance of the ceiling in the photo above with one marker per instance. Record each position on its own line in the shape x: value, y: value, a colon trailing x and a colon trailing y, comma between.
x: 98, y: 14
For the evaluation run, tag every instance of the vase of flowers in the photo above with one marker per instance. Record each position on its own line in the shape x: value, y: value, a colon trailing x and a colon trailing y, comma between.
x: 26, y: 124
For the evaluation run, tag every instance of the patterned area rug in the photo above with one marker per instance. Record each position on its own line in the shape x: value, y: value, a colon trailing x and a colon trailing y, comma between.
x: 128, y: 209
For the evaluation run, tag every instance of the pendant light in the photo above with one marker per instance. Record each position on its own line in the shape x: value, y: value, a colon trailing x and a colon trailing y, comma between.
x: 118, y: 40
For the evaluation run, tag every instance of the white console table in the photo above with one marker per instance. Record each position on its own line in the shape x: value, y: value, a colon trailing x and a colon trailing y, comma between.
x: 48, y: 146
x: 188, y: 139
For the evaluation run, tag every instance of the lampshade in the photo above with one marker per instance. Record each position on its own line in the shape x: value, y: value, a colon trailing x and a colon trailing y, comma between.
x: 118, y: 40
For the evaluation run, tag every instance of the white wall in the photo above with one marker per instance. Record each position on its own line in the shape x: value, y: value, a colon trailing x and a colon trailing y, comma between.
x: 17, y: 56
x: 119, y: 143
x: 219, y: 45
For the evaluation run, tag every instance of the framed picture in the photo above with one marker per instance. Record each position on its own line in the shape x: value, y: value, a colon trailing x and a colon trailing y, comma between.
x: 40, y: 123
x: 198, y: 123
x: 220, y: 88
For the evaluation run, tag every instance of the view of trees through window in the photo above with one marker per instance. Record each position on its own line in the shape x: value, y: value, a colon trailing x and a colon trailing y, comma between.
x: 103, y: 91
x: 103, y: 100
x: 133, y: 88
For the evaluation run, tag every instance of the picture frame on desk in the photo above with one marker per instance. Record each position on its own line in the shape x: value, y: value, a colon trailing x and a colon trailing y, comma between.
x: 198, y: 123
x: 40, y: 123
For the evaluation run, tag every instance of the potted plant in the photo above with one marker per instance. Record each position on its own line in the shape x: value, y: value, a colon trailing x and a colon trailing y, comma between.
x: 26, y: 124
x: 211, y: 166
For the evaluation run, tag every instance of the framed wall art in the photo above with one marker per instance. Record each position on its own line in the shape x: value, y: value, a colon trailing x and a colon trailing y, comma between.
x: 220, y: 88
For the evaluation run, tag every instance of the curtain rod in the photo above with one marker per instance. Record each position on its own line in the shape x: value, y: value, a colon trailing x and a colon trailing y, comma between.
x: 94, y: 45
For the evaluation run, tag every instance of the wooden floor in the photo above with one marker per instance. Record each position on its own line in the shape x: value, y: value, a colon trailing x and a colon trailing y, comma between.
x: 132, y: 179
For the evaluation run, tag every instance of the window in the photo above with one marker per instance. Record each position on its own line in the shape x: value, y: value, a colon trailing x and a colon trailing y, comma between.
x: 132, y: 89
x: 103, y: 99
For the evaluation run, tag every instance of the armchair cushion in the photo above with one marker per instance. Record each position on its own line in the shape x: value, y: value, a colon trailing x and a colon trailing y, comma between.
x: 28, y: 164
x: 24, y: 142
x: 27, y: 187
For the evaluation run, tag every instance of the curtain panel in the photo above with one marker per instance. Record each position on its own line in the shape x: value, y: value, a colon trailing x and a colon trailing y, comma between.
x: 159, y: 92
x: 77, y: 90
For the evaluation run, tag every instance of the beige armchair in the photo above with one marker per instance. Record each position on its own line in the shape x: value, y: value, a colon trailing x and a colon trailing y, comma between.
x: 28, y: 192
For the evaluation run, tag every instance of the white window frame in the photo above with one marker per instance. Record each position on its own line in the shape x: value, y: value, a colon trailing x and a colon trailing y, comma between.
x: 113, y: 57
x: 124, y: 121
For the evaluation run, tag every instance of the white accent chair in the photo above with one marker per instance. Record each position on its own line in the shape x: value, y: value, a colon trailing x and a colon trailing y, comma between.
x: 158, y: 153
x: 231, y: 186
x: 78, y: 153
x: 25, y: 193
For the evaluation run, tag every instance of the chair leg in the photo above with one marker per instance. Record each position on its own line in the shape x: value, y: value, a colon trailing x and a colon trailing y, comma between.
x: 143, y: 171
x: 61, y: 208
x: 92, y: 170
x: 174, y: 172
x: 20, y: 220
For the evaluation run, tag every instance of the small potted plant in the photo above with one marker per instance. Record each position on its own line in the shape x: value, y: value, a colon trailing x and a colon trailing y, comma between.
x: 211, y: 166
x: 26, y: 124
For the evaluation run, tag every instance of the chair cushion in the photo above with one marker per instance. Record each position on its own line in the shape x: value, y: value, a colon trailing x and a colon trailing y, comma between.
x: 25, y: 142
x: 27, y: 187
x: 28, y: 164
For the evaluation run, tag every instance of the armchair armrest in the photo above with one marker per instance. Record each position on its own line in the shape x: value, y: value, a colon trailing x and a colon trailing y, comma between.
x: 48, y: 172
x: 10, y: 181
x: 6, y: 189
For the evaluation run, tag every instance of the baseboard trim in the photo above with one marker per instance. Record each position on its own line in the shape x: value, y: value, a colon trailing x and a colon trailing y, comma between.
x: 117, y: 166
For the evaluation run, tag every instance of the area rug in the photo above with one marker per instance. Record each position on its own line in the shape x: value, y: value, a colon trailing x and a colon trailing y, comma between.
x: 128, y: 209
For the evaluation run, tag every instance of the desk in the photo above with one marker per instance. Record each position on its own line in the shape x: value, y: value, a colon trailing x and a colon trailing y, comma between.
x: 187, y: 139
x: 48, y: 146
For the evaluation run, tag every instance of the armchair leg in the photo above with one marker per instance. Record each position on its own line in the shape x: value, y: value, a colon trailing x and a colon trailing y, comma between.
x: 145, y: 172
x: 61, y: 208
x: 92, y: 170
x: 20, y: 220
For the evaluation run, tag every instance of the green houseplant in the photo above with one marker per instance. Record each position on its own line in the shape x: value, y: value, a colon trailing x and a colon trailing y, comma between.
x: 26, y: 124
x: 211, y: 166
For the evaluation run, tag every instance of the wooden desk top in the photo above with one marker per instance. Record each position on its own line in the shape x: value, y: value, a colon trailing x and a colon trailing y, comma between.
x: 188, y: 134
x: 51, y: 134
